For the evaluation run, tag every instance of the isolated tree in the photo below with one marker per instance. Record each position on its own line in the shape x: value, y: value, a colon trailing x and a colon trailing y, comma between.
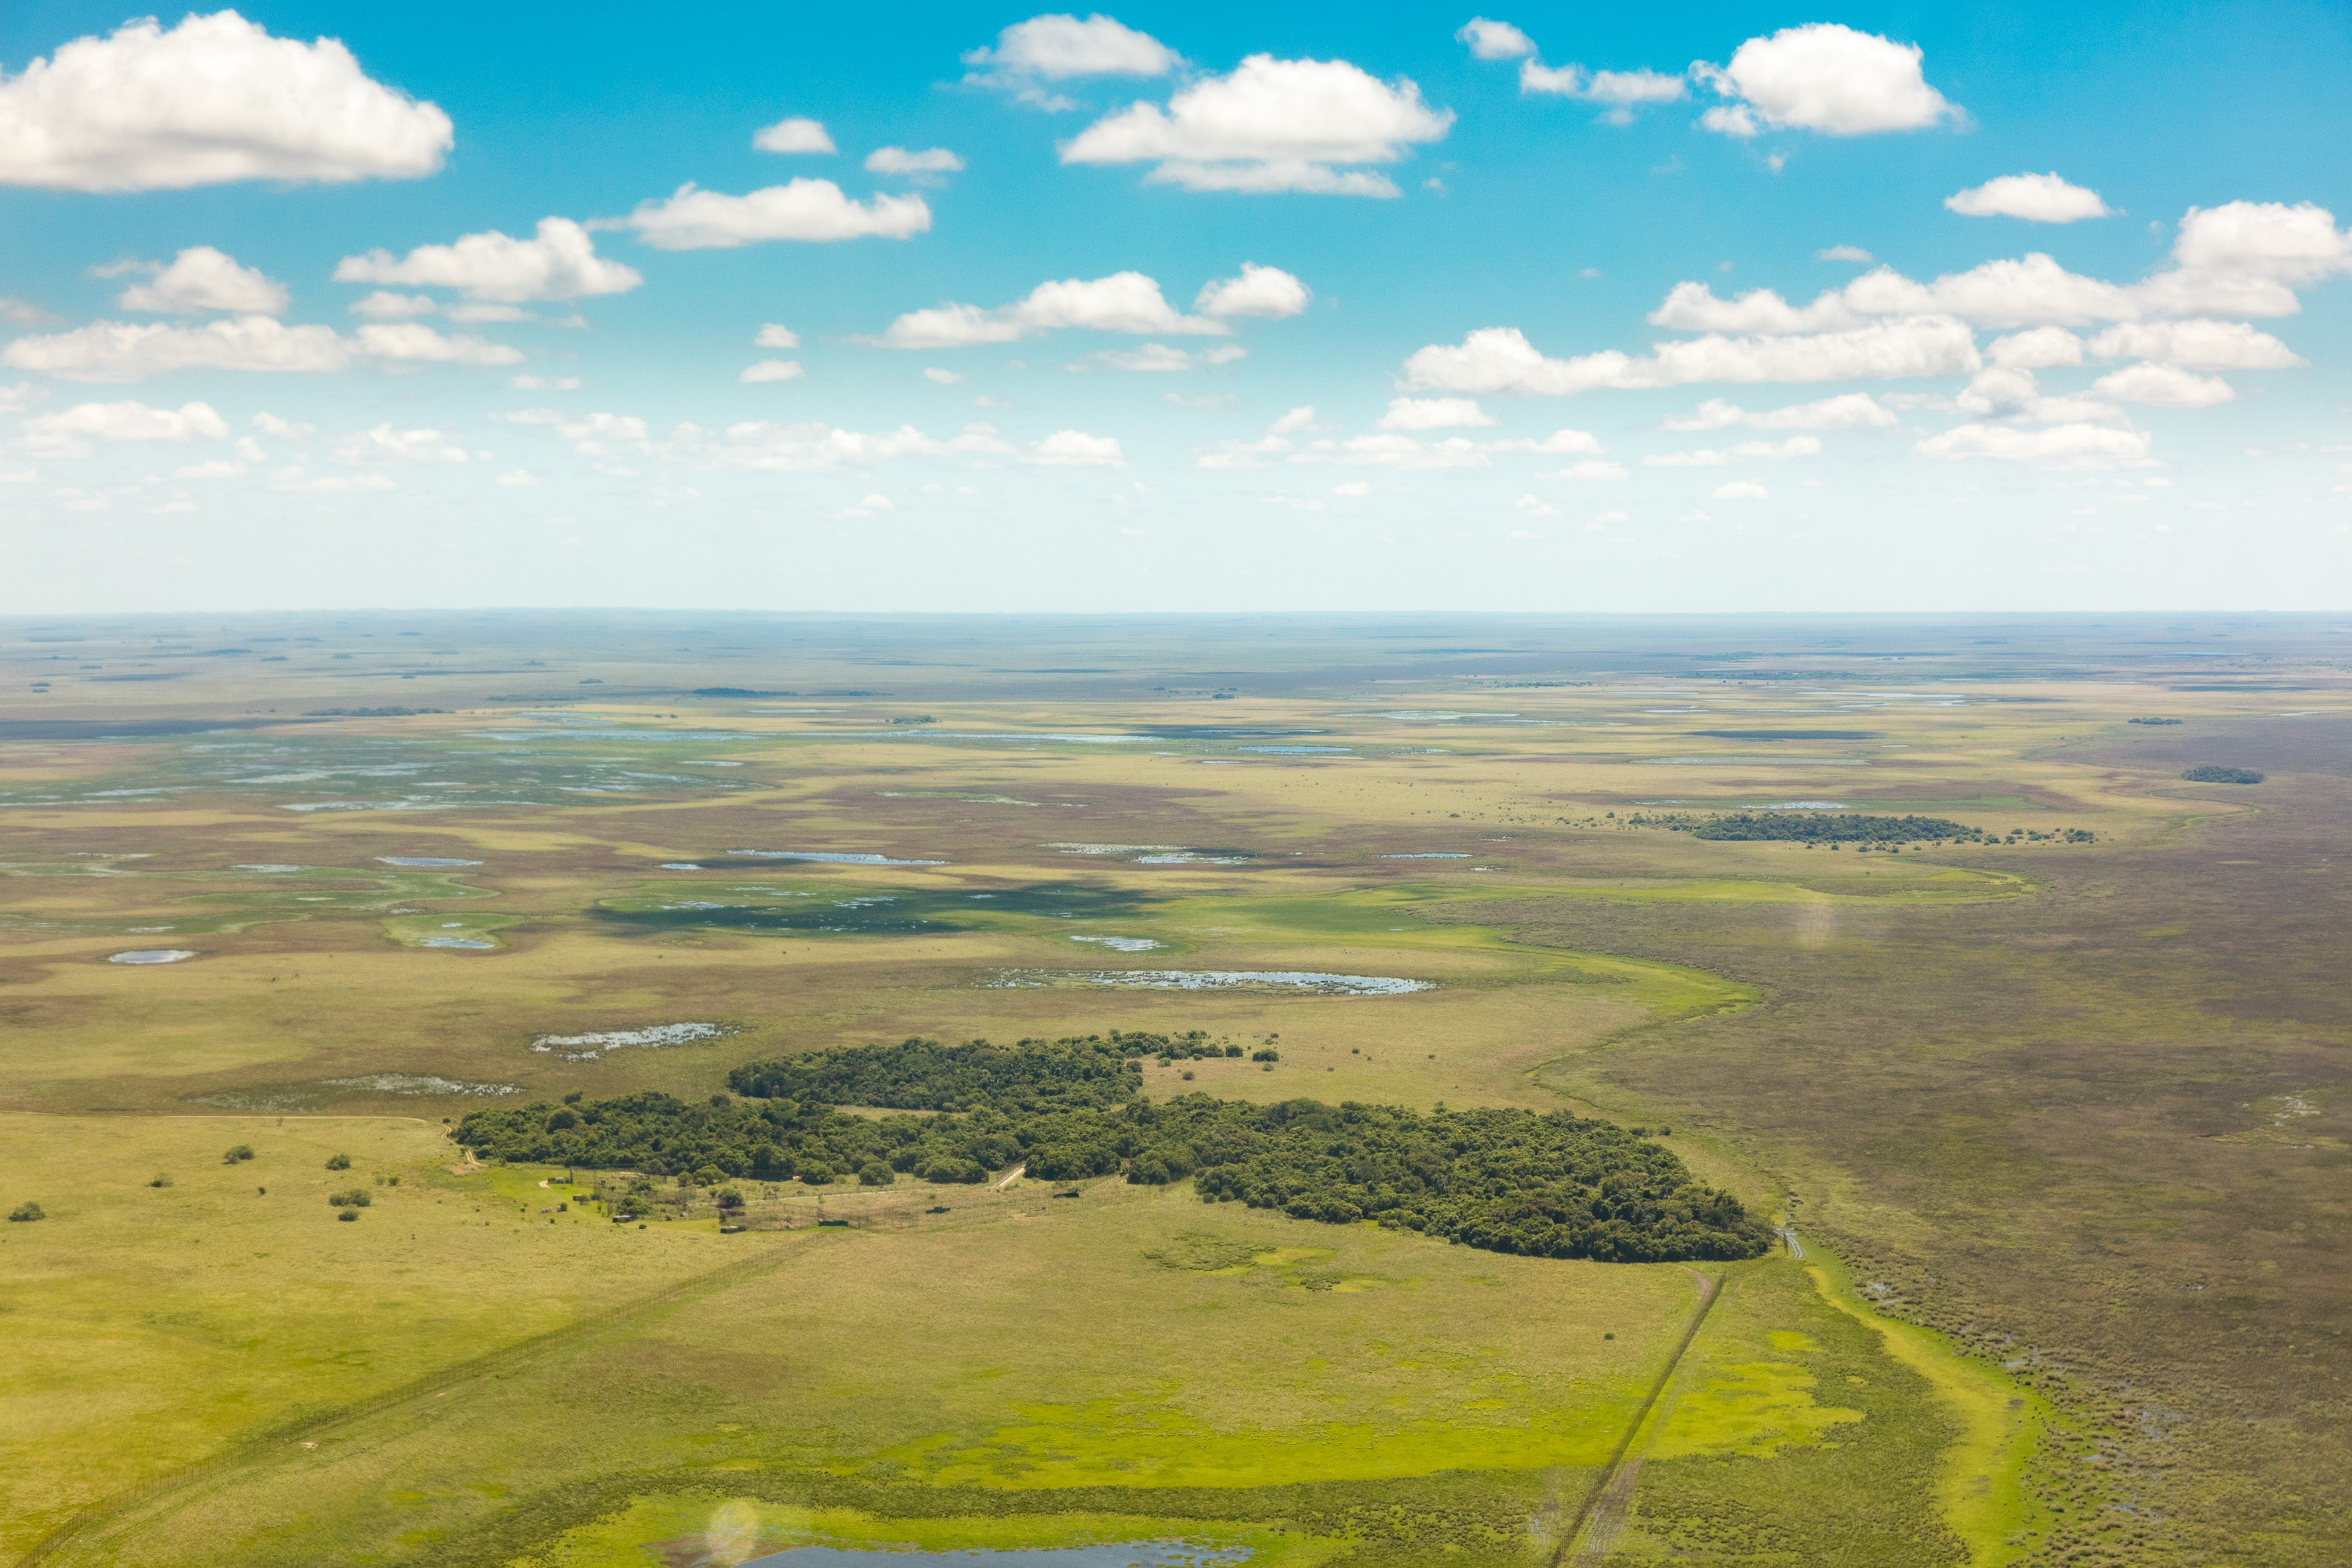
x: 237, y: 1154
x: 24, y: 1212
x: 339, y: 1161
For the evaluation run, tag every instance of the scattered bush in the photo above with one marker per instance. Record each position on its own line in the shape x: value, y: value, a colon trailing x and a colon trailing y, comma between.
x: 1267, y: 1055
x: 239, y: 1154
x: 22, y: 1213
x: 356, y: 1198
x: 339, y: 1161
x: 349, y: 1214
x: 730, y: 1199
x: 2214, y: 772
x: 160, y: 1180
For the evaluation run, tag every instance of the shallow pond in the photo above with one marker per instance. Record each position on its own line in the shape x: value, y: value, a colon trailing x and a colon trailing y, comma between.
x: 150, y: 955
x: 830, y: 857
x: 424, y: 860
x: 588, y: 1047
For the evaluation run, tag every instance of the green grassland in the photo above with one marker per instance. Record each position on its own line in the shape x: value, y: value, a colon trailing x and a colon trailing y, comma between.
x: 2058, y: 1121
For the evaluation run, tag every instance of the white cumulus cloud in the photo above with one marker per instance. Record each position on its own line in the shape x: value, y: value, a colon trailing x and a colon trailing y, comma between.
x: 773, y: 335
x: 2164, y: 386
x: 385, y: 444
x: 1077, y: 450
x: 2037, y: 199
x: 1266, y: 291
x: 127, y: 351
x: 940, y: 377
x: 2053, y: 446
x: 1501, y: 360
x: 214, y: 99
x: 413, y: 340
x: 770, y: 370
x: 1848, y: 411
x: 809, y: 210
x: 200, y: 280
x: 2299, y: 243
x: 794, y: 133
x: 1740, y: 489
x: 1047, y: 48
x: 1434, y: 414
x: 386, y: 306
x: 1623, y: 91
x: 927, y: 165
x: 2038, y: 348
x: 559, y: 263
x: 1491, y: 40
x: 1271, y: 126
x: 1720, y: 457
x: 2199, y: 344
x: 1123, y: 303
x: 68, y: 431
x: 1160, y: 357
x: 1823, y: 76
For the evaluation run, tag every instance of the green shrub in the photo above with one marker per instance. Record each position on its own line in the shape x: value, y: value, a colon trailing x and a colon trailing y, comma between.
x: 24, y: 1212
x: 876, y: 1173
x: 239, y: 1154
x: 349, y: 1214
x: 729, y: 1198
x: 2214, y: 772
x: 816, y: 1176
x: 160, y: 1180
x: 339, y: 1161
x: 356, y: 1198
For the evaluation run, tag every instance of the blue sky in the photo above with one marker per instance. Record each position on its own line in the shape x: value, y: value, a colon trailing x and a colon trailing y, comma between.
x: 1343, y: 294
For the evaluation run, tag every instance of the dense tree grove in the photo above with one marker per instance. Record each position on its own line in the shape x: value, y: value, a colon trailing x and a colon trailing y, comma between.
x: 2215, y: 773
x: 1829, y: 827
x: 1549, y: 1184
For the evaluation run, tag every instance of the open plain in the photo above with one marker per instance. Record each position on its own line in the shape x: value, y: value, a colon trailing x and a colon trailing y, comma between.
x: 2053, y: 1111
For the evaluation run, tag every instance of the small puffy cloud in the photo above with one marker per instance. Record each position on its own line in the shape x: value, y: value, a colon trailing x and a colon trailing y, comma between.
x: 214, y: 99
x: 2299, y: 243
x: 386, y: 306
x: 1434, y: 414
x: 1297, y: 419
x: 2164, y: 386
x: 1740, y: 489
x: 1716, y: 457
x: 941, y: 377
x: 1271, y: 126
x: 810, y: 446
x: 1559, y: 443
x: 1077, y: 450
x: 1266, y: 291
x: 1534, y: 506
x: 17, y: 398
x: 925, y: 166
x: 2200, y: 345
x: 1059, y: 47
x: 384, y: 444
x: 2037, y: 199
x: 296, y: 481
x: 413, y: 340
x: 867, y: 507
x: 1622, y: 91
x: 517, y: 479
x: 125, y: 351
x: 1843, y: 253
x: 1491, y: 40
x: 1160, y: 357
x: 2080, y: 445
x: 1823, y: 76
x: 1122, y: 302
x: 813, y: 211
x: 795, y: 133
x: 201, y: 280
x: 770, y: 370
x: 218, y: 468
x: 15, y: 312
x: 269, y: 424
x: 559, y: 263
x: 1848, y: 411
x: 545, y: 383
x: 69, y: 431
x: 771, y: 335
x: 2040, y: 348
x: 1501, y: 360
x: 1352, y: 488
x: 1591, y: 472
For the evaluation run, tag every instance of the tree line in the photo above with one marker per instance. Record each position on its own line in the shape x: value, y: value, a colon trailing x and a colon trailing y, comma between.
x: 1546, y: 1184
